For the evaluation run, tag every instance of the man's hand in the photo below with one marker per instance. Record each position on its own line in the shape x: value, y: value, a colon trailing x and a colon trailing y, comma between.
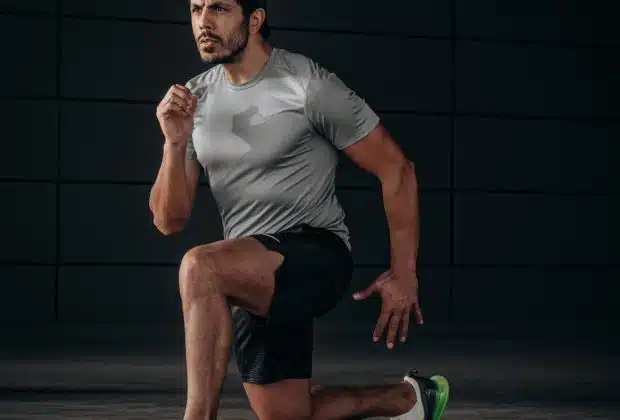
x: 399, y: 295
x: 175, y: 114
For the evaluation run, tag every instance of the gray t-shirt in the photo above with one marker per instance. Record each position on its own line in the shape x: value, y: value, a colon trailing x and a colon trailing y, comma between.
x: 268, y: 146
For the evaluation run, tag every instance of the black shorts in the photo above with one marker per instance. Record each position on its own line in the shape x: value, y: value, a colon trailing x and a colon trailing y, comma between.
x: 313, y: 278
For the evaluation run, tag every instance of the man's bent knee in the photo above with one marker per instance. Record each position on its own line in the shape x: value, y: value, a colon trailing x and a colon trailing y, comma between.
x: 241, y: 270
x: 197, y: 275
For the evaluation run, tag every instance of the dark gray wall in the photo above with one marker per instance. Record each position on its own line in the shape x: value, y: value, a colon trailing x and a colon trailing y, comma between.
x: 509, y: 109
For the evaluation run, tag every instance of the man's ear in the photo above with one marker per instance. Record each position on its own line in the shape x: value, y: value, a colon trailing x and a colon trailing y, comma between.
x: 257, y: 18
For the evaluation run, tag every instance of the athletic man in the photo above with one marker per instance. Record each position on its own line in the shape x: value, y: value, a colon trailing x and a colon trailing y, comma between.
x: 265, y: 125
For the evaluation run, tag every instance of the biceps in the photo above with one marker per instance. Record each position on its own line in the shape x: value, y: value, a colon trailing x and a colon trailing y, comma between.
x: 378, y: 153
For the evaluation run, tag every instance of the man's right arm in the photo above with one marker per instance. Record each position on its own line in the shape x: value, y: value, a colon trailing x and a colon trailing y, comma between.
x: 172, y: 195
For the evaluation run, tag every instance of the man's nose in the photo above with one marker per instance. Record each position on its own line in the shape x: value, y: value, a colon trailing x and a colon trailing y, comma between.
x: 206, y: 20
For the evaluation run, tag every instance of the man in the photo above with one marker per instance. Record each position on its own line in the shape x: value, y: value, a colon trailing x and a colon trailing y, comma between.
x: 265, y: 125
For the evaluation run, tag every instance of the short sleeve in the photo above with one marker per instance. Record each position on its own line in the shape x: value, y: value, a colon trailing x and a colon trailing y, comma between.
x: 336, y: 112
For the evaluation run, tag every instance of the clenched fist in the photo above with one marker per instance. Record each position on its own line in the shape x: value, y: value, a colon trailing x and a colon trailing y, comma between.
x: 176, y: 115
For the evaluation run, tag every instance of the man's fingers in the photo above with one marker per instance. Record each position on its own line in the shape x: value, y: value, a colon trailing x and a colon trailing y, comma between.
x: 183, y: 88
x: 174, y: 102
x: 404, y: 325
x: 384, y: 276
x: 183, y: 92
x: 393, y: 329
x: 172, y: 108
x: 181, y: 95
x: 381, y: 324
x: 418, y: 313
x: 182, y: 101
x: 363, y: 294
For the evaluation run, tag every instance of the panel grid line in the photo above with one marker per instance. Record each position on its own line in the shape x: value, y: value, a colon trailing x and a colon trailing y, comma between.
x: 453, y: 87
x: 58, y: 160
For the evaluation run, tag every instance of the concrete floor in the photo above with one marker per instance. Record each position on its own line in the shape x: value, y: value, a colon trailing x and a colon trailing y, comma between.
x: 234, y: 407
x: 489, y: 379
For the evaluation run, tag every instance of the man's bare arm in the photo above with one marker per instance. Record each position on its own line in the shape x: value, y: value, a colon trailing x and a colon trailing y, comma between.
x: 172, y: 195
x: 380, y: 155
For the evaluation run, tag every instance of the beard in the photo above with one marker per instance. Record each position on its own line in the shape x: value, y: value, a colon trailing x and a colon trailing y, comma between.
x: 226, y: 50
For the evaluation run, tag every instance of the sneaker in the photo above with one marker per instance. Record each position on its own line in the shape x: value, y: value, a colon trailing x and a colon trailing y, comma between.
x: 431, y: 397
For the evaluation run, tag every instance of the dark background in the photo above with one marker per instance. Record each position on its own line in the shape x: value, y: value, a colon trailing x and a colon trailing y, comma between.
x: 510, y: 110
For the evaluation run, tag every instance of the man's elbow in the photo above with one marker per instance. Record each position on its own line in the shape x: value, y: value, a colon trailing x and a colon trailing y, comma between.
x: 399, y: 175
x: 169, y: 227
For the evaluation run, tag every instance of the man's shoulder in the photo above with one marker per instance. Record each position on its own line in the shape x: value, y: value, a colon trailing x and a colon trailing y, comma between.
x: 298, y: 65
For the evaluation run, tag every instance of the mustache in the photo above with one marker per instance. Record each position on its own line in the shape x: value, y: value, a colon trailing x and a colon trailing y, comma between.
x: 208, y: 35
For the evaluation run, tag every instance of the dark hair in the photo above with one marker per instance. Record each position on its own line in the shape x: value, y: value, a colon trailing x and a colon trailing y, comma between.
x: 249, y: 6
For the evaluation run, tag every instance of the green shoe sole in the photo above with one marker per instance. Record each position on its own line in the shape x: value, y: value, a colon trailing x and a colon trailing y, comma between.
x: 442, y: 391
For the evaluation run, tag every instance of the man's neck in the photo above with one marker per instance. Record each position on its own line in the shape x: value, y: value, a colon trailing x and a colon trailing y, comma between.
x: 250, y: 62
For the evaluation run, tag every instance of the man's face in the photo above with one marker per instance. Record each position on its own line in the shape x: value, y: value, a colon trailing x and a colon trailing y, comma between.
x: 220, y: 30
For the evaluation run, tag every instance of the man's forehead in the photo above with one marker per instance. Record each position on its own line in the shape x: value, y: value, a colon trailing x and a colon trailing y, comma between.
x: 209, y: 2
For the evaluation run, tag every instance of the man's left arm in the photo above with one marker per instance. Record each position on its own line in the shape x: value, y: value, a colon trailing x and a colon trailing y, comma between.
x: 379, y: 154
x: 348, y: 122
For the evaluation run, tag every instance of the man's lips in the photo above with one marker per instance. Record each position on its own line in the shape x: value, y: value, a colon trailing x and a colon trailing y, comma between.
x: 207, y: 40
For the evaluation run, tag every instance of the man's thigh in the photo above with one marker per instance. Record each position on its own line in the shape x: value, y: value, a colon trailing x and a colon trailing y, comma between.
x: 243, y: 268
